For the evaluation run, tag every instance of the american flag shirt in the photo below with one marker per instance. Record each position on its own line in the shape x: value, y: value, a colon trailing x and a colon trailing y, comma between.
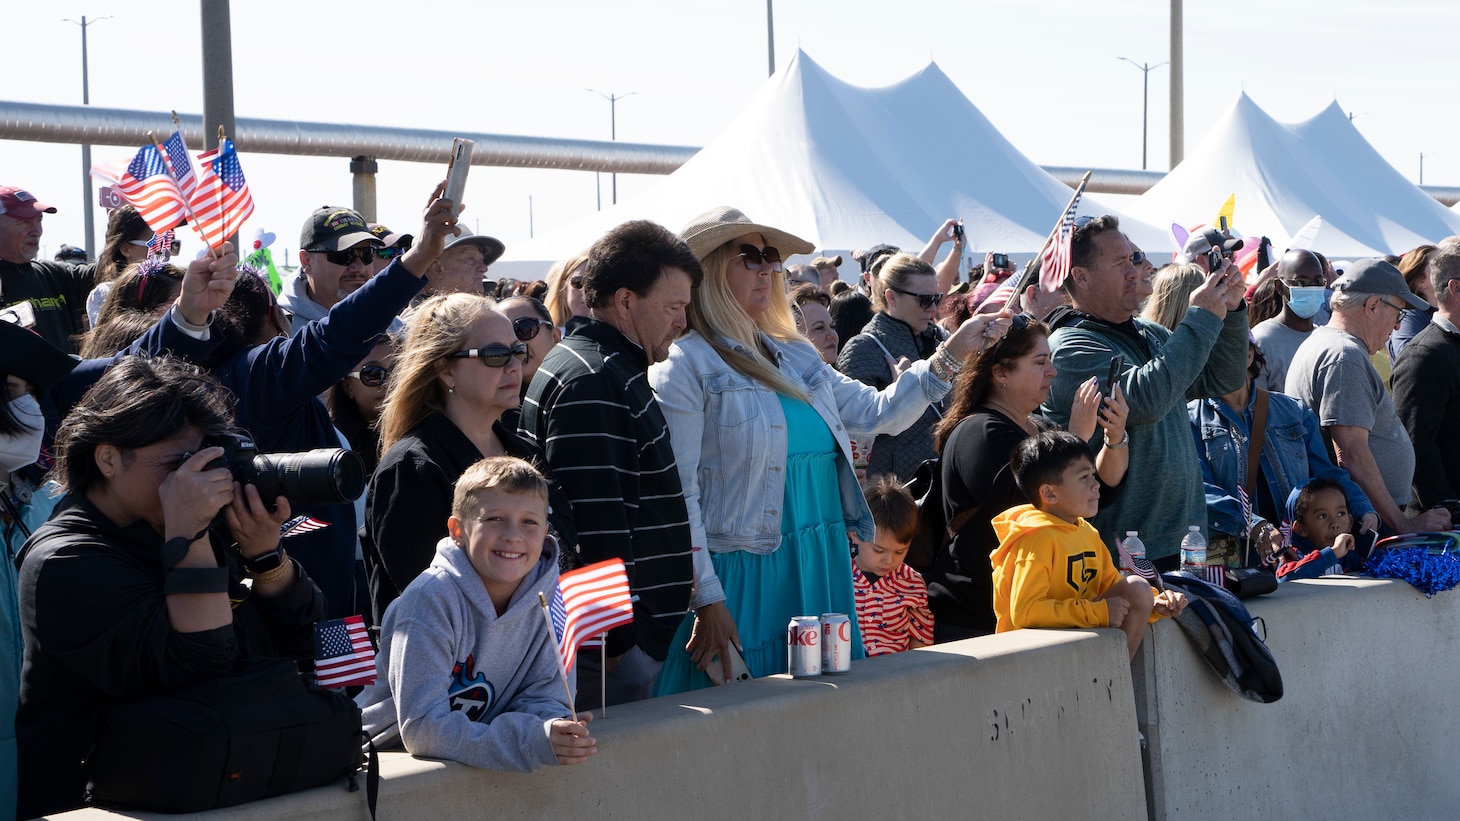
x: 892, y: 610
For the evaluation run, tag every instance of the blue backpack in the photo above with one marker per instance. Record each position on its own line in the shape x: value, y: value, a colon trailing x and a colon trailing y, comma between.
x: 1218, y: 625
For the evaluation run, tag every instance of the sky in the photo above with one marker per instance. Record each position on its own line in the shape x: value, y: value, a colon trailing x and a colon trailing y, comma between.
x: 1047, y: 73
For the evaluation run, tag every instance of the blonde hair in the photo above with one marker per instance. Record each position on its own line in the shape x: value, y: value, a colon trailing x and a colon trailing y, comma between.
x: 557, y: 291
x: 1173, y: 285
x: 439, y: 327
x: 507, y: 474
x: 895, y: 272
x: 714, y: 312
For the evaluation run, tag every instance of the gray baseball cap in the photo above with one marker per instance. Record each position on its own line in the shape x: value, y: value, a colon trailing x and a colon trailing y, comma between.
x: 1376, y: 276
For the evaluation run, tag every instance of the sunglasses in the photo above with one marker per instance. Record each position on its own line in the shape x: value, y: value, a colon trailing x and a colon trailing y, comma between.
x: 494, y: 355
x: 925, y: 301
x: 576, y: 281
x: 527, y: 327
x: 1138, y: 258
x: 390, y: 252
x: 371, y: 376
x: 344, y: 258
x: 1018, y: 323
x: 140, y: 243
x: 755, y: 257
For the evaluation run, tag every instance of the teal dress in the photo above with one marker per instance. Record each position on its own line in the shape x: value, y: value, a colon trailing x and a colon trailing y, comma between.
x: 809, y: 574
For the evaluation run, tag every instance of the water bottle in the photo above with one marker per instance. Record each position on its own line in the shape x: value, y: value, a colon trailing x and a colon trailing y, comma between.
x: 1132, y: 548
x: 1194, y: 551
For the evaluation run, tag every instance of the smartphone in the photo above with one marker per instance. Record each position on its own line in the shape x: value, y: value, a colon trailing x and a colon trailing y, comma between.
x: 1225, y: 232
x: 1364, y: 542
x: 738, y: 671
x: 1117, y: 367
x: 1264, y: 254
x: 456, y: 171
x: 1214, y: 260
x: 1001, y: 261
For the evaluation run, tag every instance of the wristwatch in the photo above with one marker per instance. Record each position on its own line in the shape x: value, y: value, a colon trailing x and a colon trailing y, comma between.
x: 263, y: 563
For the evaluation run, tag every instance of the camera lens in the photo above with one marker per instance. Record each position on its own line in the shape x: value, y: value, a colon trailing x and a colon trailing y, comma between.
x: 327, y: 476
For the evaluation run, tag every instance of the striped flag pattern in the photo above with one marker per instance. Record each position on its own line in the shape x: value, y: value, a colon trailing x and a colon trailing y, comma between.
x: 161, y: 244
x: 221, y: 202
x: 300, y: 525
x: 147, y: 184
x: 1054, y: 265
x: 1217, y: 574
x: 999, y: 297
x: 343, y: 655
x: 1146, y: 570
x: 181, y: 165
x: 590, y: 601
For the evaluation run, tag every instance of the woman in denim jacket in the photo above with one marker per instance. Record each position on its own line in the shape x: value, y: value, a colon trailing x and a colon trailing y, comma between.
x: 1292, y: 453
x: 760, y: 430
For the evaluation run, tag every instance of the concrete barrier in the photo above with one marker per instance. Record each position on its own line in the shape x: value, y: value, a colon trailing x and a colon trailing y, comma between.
x: 1365, y: 728
x: 1035, y: 724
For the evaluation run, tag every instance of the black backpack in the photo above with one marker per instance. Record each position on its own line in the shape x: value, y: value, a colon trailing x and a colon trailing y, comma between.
x: 1221, y: 629
x: 934, y: 530
x: 258, y: 732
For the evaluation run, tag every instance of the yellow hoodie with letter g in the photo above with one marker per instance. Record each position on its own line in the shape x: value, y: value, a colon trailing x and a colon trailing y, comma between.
x: 1048, y: 572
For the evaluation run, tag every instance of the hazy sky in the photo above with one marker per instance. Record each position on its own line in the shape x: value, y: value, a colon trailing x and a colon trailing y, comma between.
x: 1045, y: 72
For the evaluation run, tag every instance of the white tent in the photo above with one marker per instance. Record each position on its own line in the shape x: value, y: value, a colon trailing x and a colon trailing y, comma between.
x: 1285, y: 176
x: 848, y: 167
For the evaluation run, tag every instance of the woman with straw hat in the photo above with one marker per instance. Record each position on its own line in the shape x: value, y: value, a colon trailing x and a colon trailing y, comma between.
x: 760, y: 427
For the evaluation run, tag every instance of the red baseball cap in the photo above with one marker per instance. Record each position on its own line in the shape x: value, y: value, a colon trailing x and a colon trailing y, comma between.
x: 21, y: 204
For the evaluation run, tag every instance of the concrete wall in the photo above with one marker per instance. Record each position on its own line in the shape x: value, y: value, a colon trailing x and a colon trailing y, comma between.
x: 1034, y: 724
x: 923, y: 735
x: 1366, y: 728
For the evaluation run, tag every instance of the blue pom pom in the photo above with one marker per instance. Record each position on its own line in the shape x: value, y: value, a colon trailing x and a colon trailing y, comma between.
x: 1429, y: 573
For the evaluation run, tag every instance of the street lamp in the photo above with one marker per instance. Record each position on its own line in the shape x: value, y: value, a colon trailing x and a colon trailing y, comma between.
x: 1146, y: 69
x: 613, y: 126
x: 87, y: 215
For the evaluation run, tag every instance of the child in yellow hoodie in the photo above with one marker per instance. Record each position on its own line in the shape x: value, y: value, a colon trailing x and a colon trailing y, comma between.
x: 1051, y: 569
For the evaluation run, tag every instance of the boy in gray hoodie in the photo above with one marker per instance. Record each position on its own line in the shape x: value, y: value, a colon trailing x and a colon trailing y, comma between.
x: 467, y: 669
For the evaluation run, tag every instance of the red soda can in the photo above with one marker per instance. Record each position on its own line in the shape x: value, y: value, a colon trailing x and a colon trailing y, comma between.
x: 803, y: 647
x: 836, y: 643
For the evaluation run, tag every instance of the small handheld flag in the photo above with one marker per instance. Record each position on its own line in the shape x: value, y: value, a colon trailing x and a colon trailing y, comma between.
x: 343, y: 655
x: 148, y: 185
x: 299, y: 525
x: 222, y: 202
x: 590, y: 600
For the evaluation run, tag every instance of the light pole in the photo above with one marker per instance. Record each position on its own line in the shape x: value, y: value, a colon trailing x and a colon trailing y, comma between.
x: 770, y: 38
x: 1146, y: 69
x: 613, y: 126
x: 87, y: 214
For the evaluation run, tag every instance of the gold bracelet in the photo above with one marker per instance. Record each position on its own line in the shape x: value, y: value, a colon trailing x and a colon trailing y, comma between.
x: 270, y: 576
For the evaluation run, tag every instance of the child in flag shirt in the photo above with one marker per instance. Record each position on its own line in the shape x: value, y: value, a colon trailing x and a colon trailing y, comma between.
x: 1321, y: 542
x: 468, y: 667
x: 891, y: 598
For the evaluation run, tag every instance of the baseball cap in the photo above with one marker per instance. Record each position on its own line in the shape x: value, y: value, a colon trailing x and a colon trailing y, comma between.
x: 332, y: 228
x: 21, y: 204
x: 835, y: 262
x: 491, y: 247
x: 1376, y: 276
x: 388, y: 236
x: 1205, y: 240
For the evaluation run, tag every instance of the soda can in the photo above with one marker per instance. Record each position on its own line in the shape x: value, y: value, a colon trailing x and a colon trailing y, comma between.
x: 803, y: 647
x: 836, y: 643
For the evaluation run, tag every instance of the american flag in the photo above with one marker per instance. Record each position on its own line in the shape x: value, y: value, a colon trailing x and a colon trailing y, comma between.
x: 299, y: 525
x: 181, y: 163
x: 221, y: 202
x: 1054, y: 265
x: 1143, y: 568
x: 590, y: 601
x: 1217, y: 574
x: 343, y: 655
x: 161, y: 244
x: 147, y: 184
x: 1000, y: 297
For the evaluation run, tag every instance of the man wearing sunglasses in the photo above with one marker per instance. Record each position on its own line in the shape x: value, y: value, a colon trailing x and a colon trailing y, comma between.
x: 395, y: 244
x: 337, y: 254
x: 591, y: 410
x: 1205, y: 356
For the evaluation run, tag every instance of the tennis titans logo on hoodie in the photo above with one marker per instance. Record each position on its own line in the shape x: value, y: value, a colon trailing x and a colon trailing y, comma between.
x: 1079, y: 574
x: 470, y: 691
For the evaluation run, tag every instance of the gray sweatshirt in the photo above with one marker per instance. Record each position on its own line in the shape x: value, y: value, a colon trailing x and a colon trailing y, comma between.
x: 456, y: 681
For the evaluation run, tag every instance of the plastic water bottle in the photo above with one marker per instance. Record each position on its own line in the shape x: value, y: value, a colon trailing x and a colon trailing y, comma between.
x: 1132, y: 548
x: 1194, y: 551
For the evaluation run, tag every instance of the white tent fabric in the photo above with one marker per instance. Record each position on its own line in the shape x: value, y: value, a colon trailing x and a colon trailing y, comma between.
x: 1285, y: 176
x: 849, y: 167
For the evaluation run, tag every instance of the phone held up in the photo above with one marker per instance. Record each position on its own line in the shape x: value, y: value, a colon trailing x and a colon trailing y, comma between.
x: 1117, y: 367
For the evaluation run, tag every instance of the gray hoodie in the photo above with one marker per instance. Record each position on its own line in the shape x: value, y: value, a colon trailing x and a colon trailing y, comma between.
x: 294, y: 298
x: 456, y: 681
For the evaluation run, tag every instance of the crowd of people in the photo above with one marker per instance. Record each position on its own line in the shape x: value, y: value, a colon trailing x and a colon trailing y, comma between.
x: 737, y: 430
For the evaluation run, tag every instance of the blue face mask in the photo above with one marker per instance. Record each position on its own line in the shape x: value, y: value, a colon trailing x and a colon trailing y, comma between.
x: 1305, y: 301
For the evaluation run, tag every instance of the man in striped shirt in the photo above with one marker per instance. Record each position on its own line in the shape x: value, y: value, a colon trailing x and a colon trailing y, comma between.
x: 591, y: 410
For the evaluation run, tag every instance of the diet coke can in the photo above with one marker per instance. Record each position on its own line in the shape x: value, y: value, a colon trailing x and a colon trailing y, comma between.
x: 803, y: 651
x: 836, y: 643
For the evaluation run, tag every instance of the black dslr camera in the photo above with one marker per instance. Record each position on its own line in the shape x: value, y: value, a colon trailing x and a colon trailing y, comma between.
x: 327, y: 476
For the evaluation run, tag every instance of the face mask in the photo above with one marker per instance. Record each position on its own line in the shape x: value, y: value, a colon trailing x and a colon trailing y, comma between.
x: 1305, y: 301
x: 21, y: 449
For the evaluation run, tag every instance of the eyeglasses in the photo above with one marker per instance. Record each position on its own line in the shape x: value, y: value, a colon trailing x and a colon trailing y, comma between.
x: 371, y: 376
x: 495, y: 355
x: 755, y: 257
x: 1018, y: 323
x: 527, y: 327
x: 925, y: 301
x: 1138, y: 258
x: 344, y: 258
x: 390, y: 251
x: 1400, y: 308
x: 140, y: 243
x: 576, y: 281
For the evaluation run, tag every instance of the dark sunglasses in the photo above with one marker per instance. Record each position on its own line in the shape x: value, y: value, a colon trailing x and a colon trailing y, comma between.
x: 755, y: 257
x: 494, y: 355
x: 576, y: 281
x: 393, y: 251
x: 1138, y: 258
x: 371, y: 376
x: 1017, y: 323
x: 527, y: 327
x: 925, y: 301
x: 344, y: 258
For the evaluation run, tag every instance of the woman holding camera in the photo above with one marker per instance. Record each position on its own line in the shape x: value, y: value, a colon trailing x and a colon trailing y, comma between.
x: 128, y: 591
x: 459, y: 370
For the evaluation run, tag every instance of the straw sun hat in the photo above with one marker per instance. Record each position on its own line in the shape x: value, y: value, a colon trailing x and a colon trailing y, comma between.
x: 719, y: 225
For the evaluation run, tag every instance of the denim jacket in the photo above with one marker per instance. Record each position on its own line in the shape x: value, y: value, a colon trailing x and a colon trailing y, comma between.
x: 1292, y: 453
x: 730, y: 441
